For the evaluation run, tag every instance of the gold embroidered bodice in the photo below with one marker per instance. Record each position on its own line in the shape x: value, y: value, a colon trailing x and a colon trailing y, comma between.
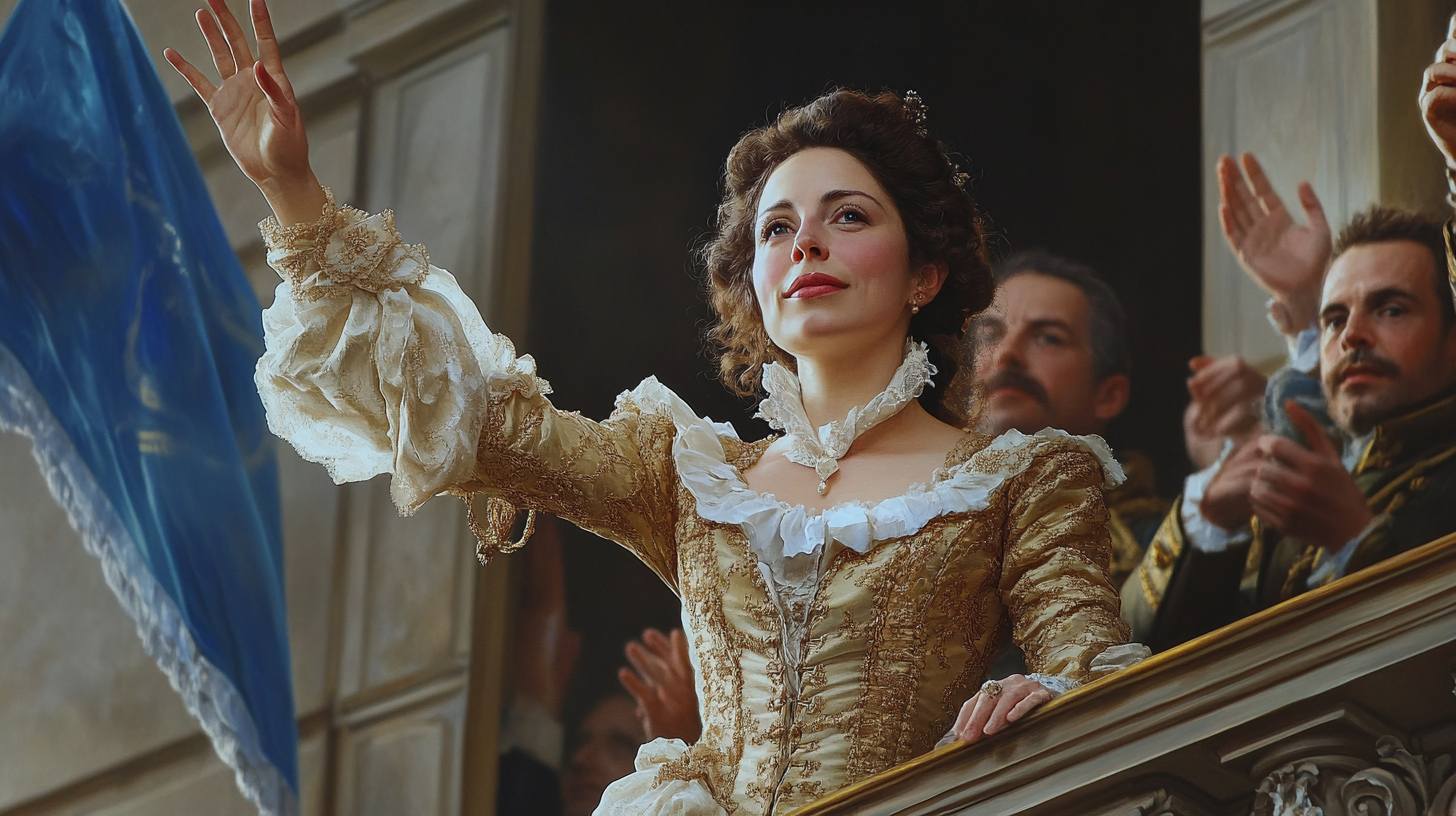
x: 807, y: 680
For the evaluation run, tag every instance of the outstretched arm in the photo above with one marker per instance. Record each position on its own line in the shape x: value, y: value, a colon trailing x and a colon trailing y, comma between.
x: 255, y: 110
x: 377, y: 362
x: 1287, y: 260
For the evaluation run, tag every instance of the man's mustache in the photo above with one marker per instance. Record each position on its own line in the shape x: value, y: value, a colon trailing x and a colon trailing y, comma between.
x: 1011, y: 378
x: 1366, y: 359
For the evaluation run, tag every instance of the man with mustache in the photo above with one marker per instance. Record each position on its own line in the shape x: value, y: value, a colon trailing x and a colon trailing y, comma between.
x: 1291, y: 515
x: 1051, y: 352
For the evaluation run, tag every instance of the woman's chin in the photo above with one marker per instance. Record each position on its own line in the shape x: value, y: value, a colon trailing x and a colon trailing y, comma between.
x: 822, y: 333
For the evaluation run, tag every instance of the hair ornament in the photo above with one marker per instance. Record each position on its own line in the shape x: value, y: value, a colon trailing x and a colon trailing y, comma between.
x: 916, y: 110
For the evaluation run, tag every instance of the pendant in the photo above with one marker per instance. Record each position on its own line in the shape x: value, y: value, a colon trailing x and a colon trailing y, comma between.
x: 824, y: 468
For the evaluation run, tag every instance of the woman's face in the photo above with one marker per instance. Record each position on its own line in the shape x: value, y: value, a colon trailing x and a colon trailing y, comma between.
x: 831, y: 267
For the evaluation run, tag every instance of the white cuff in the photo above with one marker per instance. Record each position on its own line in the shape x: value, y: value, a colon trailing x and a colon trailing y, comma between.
x: 1055, y: 684
x: 1333, y: 566
x: 1111, y: 659
x: 1304, y: 350
x: 531, y: 728
x: 1200, y: 533
x: 1303, y: 346
x: 1117, y: 658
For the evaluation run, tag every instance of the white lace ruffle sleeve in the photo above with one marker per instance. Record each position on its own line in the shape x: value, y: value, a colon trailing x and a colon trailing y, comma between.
x: 377, y: 362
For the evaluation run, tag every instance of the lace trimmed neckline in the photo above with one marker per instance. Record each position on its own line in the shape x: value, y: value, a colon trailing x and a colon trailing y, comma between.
x: 788, y: 539
x: 783, y: 409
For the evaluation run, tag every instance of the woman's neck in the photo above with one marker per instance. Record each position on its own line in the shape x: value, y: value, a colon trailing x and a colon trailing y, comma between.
x: 831, y: 386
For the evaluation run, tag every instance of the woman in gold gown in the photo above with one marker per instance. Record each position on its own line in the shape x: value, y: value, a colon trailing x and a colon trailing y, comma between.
x: 845, y: 585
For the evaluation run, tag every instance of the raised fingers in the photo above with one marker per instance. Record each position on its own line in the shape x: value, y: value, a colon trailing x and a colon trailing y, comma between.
x: 657, y: 641
x: 199, y: 82
x: 1447, y: 51
x: 1314, y: 211
x: 1442, y: 74
x: 634, y: 685
x: 1268, y: 199
x: 237, y: 41
x: 1235, y: 199
x: 222, y: 56
x: 268, y: 46
x: 648, y: 663
x: 263, y: 33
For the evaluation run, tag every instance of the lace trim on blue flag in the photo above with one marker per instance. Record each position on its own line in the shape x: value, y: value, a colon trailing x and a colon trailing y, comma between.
x: 207, y: 692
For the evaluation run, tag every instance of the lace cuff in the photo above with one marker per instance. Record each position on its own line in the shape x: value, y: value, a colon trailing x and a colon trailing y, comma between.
x: 343, y: 250
x: 1057, y: 685
x: 377, y: 362
x: 1112, y: 659
x: 662, y: 785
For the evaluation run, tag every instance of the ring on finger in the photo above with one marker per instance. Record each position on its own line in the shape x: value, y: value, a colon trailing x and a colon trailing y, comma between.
x: 991, y: 688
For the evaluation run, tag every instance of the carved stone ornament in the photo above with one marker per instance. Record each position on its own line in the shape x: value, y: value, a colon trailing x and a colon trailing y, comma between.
x: 1400, y: 784
x: 1162, y: 805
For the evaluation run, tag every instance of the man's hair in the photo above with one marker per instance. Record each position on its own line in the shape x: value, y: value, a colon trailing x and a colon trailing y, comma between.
x: 1379, y: 224
x: 1107, y: 323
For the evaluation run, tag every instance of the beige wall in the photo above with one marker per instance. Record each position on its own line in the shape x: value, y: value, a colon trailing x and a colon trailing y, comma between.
x: 1319, y: 90
x: 382, y: 610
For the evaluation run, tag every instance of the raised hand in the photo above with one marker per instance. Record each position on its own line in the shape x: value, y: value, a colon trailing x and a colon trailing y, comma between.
x: 662, y: 683
x: 1438, y: 97
x: 1287, y: 260
x: 545, y: 649
x: 255, y: 110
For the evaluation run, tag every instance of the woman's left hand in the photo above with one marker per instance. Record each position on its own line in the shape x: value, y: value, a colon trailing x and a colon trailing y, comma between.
x: 990, y: 711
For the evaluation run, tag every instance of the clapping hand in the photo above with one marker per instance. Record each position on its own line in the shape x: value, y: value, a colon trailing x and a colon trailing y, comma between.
x: 1227, y: 395
x: 1306, y: 492
x: 662, y: 684
x: 1438, y: 97
x: 1287, y: 260
x: 255, y: 110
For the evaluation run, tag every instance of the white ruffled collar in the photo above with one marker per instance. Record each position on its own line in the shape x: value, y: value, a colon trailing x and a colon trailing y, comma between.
x: 783, y: 409
x: 790, y: 540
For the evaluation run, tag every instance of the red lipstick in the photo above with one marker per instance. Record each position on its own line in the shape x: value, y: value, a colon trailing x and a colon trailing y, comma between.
x: 814, y: 284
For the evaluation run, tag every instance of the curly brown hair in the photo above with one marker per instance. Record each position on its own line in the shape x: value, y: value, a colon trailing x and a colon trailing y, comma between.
x: 942, y: 223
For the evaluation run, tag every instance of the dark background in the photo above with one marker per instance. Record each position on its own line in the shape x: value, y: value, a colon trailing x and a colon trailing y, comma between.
x: 1078, y: 122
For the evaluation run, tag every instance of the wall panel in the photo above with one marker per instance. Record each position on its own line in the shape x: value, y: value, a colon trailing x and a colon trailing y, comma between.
x: 1293, y: 83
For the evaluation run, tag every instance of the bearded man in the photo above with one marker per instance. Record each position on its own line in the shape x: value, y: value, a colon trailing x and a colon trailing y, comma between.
x: 1282, y: 516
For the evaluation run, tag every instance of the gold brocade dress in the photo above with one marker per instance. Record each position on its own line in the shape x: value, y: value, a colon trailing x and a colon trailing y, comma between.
x: 826, y: 647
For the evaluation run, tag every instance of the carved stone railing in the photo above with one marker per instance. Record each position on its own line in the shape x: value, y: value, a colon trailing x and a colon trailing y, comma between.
x: 1337, y: 702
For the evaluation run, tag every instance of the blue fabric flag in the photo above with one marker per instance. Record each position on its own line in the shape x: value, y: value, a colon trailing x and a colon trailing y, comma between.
x: 128, y: 339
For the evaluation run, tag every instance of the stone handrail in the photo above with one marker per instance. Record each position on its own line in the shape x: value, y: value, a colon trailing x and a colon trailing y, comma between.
x: 1340, y: 699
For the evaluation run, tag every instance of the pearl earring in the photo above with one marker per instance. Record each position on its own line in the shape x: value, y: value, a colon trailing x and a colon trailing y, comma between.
x: 914, y: 310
